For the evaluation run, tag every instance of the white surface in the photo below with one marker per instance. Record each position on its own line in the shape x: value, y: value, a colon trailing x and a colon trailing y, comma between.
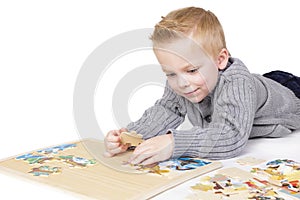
x: 44, y: 44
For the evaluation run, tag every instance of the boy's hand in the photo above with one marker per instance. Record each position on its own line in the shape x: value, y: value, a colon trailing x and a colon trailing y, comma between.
x: 153, y: 150
x: 112, y: 143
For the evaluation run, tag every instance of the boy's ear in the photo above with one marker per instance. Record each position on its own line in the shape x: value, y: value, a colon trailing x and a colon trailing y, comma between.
x: 222, y: 59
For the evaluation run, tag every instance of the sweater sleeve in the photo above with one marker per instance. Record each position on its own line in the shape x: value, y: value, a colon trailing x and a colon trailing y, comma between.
x: 167, y: 113
x: 228, y: 132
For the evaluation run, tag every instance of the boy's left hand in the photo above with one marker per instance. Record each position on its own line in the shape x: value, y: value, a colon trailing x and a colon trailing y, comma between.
x: 153, y: 150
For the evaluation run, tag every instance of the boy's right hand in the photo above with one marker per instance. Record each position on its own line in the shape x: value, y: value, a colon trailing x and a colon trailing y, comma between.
x: 112, y: 143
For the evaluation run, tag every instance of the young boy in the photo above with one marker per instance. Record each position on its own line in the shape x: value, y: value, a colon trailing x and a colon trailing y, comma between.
x: 225, y: 103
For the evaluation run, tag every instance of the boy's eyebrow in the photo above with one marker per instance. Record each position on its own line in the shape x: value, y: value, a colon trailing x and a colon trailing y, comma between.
x: 164, y: 70
x: 184, y: 67
x: 189, y: 65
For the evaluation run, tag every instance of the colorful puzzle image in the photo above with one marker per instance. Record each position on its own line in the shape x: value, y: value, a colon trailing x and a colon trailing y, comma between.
x: 171, y: 166
x: 277, y: 179
x: 74, y: 161
x: 51, y: 155
x: 45, y: 170
x: 220, y: 186
x: 80, y: 168
x: 56, y: 149
x: 31, y: 158
x: 284, y: 173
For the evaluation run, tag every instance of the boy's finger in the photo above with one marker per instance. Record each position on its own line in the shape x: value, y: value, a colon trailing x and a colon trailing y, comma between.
x: 108, y: 154
x: 123, y: 130
x: 112, y: 138
x: 117, y: 150
x: 151, y: 160
x: 112, y: 145
x: 140, y: 157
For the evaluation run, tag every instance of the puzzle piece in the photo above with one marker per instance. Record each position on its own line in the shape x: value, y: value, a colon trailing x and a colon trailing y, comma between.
x: 164, y: 167
x: 131, y: 138
x: 281, y: 172
x: 74, y: 161
x: 221, y: 186
x: 38, y: 157
x: 52, y: 154
x: 34, y: 159
x: 56, y: 149
x: 45, y: 170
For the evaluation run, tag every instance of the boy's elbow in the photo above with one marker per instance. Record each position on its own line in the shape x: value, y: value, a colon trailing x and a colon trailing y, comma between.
x: 225, y: 152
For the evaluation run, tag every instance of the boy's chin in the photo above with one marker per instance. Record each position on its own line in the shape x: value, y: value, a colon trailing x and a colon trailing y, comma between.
x: 195, y: 99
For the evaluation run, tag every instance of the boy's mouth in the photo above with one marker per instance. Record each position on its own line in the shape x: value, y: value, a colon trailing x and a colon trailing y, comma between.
x: 191, y: 93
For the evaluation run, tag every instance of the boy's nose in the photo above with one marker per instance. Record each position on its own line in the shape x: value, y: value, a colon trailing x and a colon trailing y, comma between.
x: 183, y: 82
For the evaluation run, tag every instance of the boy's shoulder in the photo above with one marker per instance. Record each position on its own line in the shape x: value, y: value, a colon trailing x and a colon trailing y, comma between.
x: 236, y: 73
x: 235, y: 69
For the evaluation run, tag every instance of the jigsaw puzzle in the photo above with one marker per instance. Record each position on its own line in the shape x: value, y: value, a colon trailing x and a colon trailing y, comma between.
x: 64, y: 166
x: 284, y: 173
x: 276, y: 180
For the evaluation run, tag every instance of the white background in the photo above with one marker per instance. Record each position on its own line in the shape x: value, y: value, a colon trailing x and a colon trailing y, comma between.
x: 43, y: 45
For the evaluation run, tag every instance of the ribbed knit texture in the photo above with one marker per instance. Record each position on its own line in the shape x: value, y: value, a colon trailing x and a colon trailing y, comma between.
x: 241, y: 106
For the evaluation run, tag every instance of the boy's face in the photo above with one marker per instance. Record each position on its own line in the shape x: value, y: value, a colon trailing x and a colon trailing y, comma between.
x: 191, y: 73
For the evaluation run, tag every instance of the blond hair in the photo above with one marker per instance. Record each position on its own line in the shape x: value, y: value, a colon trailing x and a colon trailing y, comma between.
x: 202, y: 25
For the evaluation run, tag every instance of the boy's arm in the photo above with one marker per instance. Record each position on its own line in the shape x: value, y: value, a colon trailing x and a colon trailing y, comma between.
x: 227, y: 134
x: 167, y: 113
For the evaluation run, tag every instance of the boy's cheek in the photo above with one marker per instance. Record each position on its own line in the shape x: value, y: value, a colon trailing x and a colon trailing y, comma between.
x: 172, y: 84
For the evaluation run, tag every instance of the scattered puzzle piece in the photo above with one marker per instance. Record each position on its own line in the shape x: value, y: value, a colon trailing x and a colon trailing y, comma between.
x: 296, y: 195
x: 202, y: 195
x: 281, y: 172
x: 131, y: 138
x: 220, y: 186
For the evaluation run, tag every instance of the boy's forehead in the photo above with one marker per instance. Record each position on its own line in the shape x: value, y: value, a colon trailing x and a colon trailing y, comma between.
x: 180, y: 46
x: 180, y: 53
x: 171, y: 59
x: 184, y: 47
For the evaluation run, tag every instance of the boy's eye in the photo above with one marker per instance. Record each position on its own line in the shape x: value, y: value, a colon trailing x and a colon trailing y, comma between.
x: 170, y: 75
x: 193, y: 70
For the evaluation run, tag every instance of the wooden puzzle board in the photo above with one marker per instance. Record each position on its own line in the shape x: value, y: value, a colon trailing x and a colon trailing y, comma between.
x: 98, y: 181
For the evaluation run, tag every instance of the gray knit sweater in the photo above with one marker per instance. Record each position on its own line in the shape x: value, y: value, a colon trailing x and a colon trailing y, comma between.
x: 241, y: 106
